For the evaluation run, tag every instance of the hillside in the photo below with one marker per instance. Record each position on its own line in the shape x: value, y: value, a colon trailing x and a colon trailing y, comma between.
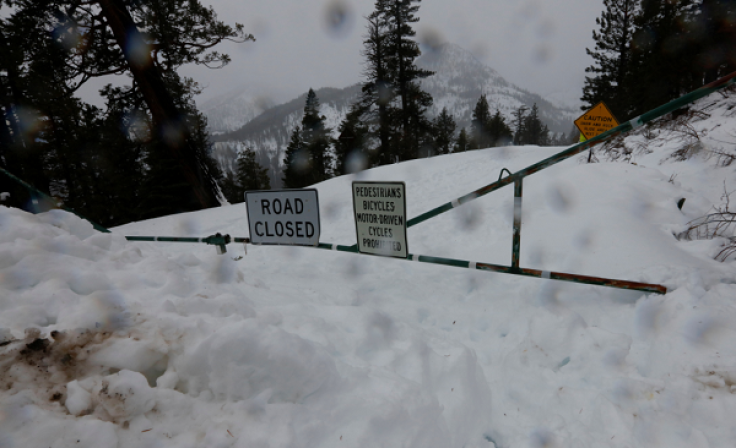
x: 457, y: 84
x: 110, y: 343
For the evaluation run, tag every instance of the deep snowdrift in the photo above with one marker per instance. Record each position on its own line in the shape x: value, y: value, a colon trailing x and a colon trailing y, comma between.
x: 109, y: 343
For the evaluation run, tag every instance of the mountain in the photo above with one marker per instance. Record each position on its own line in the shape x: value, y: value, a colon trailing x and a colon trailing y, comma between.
x: 460, y: 78
x: 268, y: 133
x: 230, y: 111
x: 458, y: 82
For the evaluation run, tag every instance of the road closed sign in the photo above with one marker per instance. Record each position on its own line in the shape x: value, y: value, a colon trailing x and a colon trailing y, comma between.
x: 380, y: 218
x: 283, y: 217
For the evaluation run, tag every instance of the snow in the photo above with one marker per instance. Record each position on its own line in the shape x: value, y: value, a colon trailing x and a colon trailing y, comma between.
x: 110, y: 343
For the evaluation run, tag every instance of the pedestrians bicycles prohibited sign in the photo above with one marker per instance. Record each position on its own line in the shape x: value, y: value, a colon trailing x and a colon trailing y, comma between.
x: 380, y: 218
x: 596, y: 121
x: 285, y: 217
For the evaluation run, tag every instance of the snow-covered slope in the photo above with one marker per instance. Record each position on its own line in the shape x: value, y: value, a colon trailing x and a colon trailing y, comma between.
x: 109, y: 343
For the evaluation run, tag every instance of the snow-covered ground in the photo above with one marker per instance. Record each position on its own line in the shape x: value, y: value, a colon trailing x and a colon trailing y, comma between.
x: 109, y: 343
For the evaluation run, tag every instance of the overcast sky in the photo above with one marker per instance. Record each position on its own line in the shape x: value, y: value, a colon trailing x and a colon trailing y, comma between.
x: 538, y: 45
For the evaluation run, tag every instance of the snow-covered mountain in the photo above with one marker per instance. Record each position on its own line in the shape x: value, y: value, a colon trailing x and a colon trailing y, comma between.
x: 232, y: 110
x: 268, y: 133
x: 459, y: 80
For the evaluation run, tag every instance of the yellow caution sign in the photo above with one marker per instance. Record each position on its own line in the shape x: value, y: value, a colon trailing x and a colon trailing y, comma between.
x: 596, y: 121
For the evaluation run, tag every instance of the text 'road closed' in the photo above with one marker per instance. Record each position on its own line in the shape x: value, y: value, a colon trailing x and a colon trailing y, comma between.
x: 285, y: 217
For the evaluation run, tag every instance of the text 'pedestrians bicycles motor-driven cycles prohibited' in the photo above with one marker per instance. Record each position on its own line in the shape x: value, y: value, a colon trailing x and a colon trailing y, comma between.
x: 380, y: 218
x: 285, y: 217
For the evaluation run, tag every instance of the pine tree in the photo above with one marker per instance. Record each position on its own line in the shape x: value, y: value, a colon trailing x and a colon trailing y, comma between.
x: 166, y: 192
x: 250, y: 175
x: 378, y: 94
x: 297, y: 163
x: 499, y: 131
x: 399, y: 15
x: 58, y: 46
x: 534, y: 131
x: 462, y: 144
x: 544, y: 138
x: 609, y: 81
x: 118, y: 171
x: 660, y: 66
x: 351, y: 154
x: 480, y: 124
x: 230, y: 188
x: 316, y: 139
x: 392, y: 99
x: 713, y: 39
x: 519, y: 125
x: 443, y: 127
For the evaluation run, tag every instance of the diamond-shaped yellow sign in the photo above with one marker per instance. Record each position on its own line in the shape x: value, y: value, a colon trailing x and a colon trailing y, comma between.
x: 596, y: 121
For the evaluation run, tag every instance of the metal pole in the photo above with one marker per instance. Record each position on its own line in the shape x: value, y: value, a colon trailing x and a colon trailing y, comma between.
x: 599, y: 281
x: 516, y: 245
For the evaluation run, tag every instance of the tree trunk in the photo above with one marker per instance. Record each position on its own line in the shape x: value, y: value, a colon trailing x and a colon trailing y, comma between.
x: 166, y: 116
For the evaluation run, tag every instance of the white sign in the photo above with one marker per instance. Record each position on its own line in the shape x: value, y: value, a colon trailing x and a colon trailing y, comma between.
x: 380, y: 218
x: 285, y: 217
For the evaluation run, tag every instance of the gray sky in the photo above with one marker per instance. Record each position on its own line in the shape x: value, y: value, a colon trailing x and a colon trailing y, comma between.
x: 538, y: 45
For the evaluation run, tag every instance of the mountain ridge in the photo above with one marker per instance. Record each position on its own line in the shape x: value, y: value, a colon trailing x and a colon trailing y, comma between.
x: 459, y: 80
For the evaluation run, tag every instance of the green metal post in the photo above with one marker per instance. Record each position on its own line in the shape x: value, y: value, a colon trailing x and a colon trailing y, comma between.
x: 516, y: 245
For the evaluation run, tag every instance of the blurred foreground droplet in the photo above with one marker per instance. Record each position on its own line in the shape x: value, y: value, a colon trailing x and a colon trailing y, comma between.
x: 543, y: 54
x: 66, y: 34
x: 302, y: 164
x: 338, y: 18
x: 189, y: 226
x: 173, y: 133
x: 356, y: 162
x: 542, y: 438
x: 136, y: 126
x: 138, y: 50
x: 468, y: 216
x: 430, y: 40
x: 561, y: 198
